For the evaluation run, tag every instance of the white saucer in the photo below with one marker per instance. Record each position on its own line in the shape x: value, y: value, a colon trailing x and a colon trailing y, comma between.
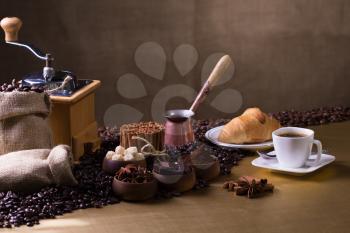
x: 273, y: 165
x: 213, y: 135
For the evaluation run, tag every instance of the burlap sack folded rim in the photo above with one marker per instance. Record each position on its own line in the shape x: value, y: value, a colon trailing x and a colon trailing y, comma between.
x: 30, y: 170
x: 58, y: 162
x: 13, y: 104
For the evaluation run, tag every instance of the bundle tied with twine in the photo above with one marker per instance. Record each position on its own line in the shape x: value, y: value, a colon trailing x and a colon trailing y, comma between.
x: 153, y: 132
x: 152, y: 150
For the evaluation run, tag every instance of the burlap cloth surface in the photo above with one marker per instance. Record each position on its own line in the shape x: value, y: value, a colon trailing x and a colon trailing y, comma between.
x: 30, y: 170
x: 23, y: 121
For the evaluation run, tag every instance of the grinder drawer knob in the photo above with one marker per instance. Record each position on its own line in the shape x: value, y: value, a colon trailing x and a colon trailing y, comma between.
x: 11, y: 26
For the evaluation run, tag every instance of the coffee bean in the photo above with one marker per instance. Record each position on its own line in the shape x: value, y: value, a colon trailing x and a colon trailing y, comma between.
x: 30, y: 224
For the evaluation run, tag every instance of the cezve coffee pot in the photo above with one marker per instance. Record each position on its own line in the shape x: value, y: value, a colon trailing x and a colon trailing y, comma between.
x: 178, y: 126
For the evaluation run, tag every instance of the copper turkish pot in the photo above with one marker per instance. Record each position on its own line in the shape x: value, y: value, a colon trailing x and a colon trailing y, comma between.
x: 178, y: 125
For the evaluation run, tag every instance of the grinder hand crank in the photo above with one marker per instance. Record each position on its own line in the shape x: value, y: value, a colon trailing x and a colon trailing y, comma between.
x: 11, y: 27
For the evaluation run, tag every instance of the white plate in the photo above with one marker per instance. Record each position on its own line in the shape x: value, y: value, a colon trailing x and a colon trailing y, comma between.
x: 273, y: 165
x: 213, y: 135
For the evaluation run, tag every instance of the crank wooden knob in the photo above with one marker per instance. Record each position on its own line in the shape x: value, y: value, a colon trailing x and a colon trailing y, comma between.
x: 11, y: 26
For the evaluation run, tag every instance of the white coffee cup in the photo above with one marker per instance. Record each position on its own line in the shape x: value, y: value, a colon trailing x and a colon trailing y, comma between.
x: 293, y: 146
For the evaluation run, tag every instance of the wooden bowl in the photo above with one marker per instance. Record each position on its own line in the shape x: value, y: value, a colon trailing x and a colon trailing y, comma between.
x: 207, y: 172
x: 134, y: 191
x: 177, y: 183
x: 112, y: 166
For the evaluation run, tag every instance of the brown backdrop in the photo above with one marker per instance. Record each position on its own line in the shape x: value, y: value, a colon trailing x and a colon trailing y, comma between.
x: 288, y: 53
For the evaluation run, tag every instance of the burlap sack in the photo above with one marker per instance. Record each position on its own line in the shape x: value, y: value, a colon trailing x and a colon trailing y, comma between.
x: 30, y: 170
x: 23, y: 121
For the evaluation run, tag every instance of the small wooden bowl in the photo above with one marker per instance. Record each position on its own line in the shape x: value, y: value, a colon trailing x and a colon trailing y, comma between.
x: 208, y: 172
x: 177, y: 183
x: 112, y: 166
x: 134, y: 191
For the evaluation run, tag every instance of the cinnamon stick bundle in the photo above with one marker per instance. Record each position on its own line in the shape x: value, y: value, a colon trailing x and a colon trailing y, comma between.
x: 151, y: 131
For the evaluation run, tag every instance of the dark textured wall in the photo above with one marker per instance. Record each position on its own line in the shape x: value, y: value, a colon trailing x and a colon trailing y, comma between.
x: 287, y: 53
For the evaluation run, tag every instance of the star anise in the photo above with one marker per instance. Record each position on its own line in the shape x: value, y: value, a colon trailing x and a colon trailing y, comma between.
x: 250, y: 186
x: 134, y: 174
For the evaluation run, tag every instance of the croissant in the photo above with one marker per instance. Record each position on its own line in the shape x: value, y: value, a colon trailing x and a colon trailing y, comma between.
x: 253, y: 126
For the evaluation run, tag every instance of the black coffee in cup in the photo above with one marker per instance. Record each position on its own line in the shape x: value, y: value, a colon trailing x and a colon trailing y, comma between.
x: 291, y: 135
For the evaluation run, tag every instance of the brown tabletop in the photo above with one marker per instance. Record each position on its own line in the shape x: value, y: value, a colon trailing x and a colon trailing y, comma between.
x: 319, y: 202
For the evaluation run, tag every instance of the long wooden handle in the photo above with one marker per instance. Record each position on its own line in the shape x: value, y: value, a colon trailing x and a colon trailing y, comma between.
x: 11, y: 26
x: 218, y: 71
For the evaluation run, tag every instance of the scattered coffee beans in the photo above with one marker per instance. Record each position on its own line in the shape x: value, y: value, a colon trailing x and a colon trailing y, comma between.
x: 228, y: 157
x: 94, y: 189
x: 110, y: 137
x: 17, y: 86
x: 315, y: 116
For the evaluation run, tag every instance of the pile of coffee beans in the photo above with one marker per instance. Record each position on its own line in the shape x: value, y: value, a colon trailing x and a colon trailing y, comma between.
x: 200, y: 127
x: 18, y: 86
x: 228, y: 157
x: 93, y: 190
x: 315, y: 116
x: 110, y: 137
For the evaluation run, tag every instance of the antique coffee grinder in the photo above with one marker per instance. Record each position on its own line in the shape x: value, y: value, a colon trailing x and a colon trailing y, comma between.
x: 73, y: 113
